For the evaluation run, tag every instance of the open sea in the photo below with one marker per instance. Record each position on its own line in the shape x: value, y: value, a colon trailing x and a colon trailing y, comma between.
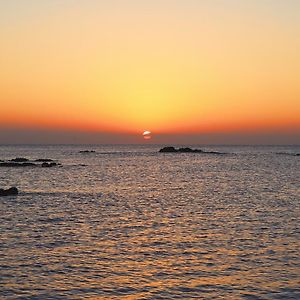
x: 127, y: 222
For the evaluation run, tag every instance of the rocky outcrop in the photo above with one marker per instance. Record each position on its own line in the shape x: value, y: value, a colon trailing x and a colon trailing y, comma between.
x: 186, y: 150
x: 9, y: 192
x: 168, y: 150
x: 24, y: 162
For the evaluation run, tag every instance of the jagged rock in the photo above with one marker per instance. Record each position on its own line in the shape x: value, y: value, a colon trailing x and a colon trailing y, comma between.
x: 9, y: 192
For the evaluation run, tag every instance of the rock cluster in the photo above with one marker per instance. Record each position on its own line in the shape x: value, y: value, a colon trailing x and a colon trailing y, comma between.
x: 186, y: 150
x: 25, y: 162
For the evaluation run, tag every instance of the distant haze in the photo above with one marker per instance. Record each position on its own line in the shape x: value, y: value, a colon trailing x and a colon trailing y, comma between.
x: 35, y: 136
x: 189, y: 71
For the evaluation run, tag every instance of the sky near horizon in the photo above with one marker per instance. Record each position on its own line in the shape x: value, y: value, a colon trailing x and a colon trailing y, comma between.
x: 168, y: 66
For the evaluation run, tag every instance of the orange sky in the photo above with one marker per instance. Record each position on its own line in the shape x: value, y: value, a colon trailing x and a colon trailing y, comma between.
x: 166, y: 66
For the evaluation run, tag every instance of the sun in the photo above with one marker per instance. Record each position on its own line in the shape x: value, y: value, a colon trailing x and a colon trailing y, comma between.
x: 147, y: 135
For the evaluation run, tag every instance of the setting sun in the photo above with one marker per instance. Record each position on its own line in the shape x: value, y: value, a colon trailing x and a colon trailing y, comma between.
x: 147, y: 135
x: 188, y: 67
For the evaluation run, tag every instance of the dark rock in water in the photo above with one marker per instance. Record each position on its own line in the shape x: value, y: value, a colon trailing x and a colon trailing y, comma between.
x: 87, y: 151
x: 28, y: 164
x: 186, y: 150
x: 287, y: 153
x: 168, y: 150
x: 19, y: 159
x: 44, y: 160
x: 48, y: 165
x: 9, y: 192
x: 16, y: 164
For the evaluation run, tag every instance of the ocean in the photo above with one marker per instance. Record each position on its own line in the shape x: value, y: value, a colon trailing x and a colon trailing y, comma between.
x: 128, y: 222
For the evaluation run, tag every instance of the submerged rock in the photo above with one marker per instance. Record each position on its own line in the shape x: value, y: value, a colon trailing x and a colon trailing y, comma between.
x: 186, y: 150
x: 9, y: 192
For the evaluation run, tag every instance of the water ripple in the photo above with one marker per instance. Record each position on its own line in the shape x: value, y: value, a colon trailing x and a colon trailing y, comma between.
x: 133, y: 224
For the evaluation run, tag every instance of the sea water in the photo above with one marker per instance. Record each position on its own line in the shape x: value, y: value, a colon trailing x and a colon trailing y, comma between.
x: 127, y: 222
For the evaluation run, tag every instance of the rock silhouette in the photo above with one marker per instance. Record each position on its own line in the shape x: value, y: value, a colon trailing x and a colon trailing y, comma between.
x: 186, y: 150
x: 9, y: 192
x: 24, y: 162
x: 168, y: 150
x: 17, y: 164
x: 48, y: 165
x: 20, y: 159
x: 44, y: 160
x: 286, y: 153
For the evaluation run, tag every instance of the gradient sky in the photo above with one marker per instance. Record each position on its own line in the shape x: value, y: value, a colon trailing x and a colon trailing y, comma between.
x: 174, y: 67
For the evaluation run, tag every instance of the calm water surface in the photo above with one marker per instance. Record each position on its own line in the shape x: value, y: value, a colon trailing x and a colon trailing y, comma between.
x: 127, y: 222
